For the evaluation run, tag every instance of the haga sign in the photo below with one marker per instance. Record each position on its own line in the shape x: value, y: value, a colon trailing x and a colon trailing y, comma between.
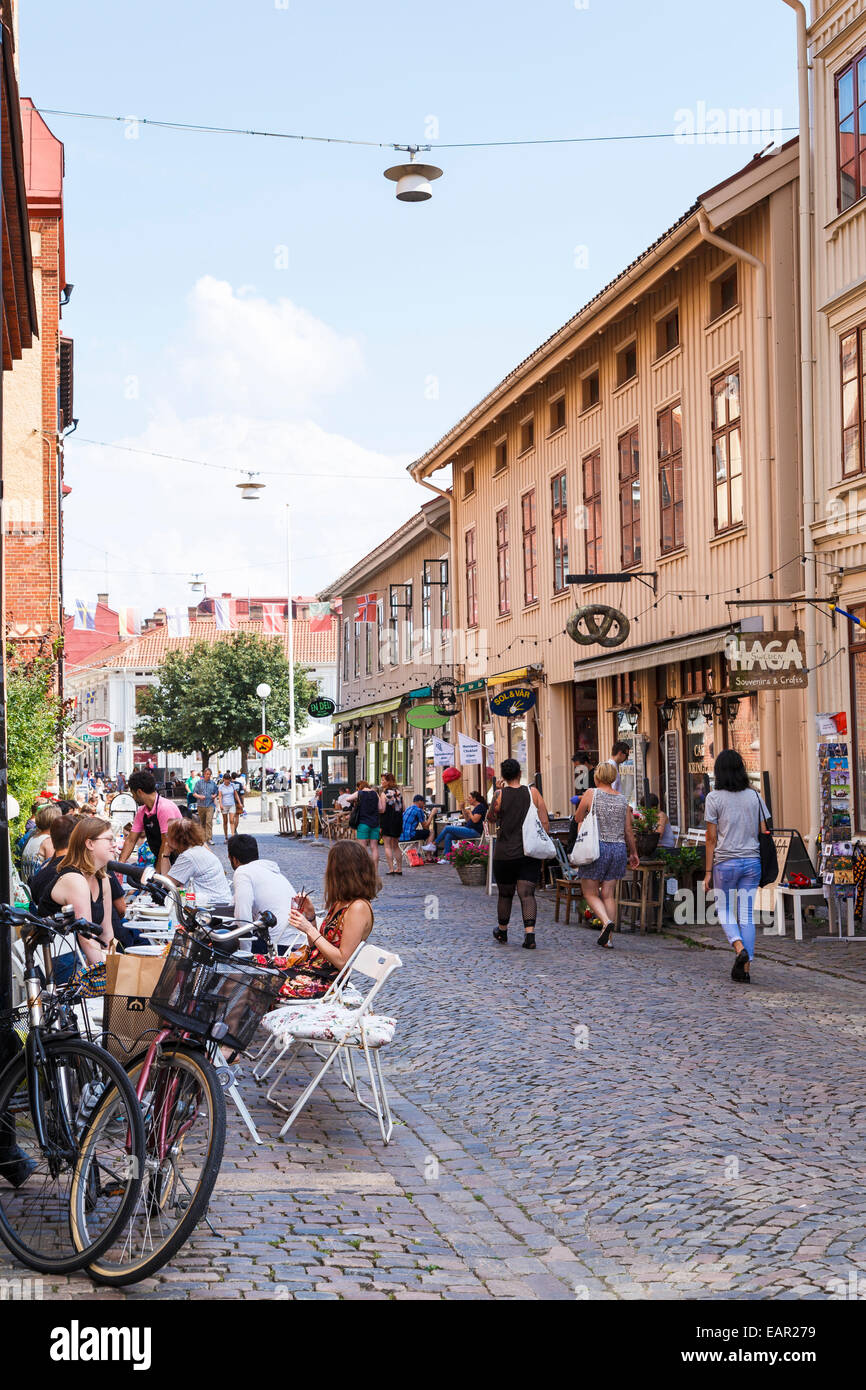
x: 767, y: 661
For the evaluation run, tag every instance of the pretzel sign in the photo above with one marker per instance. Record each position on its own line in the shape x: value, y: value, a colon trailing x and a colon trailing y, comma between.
x: 600, y: 623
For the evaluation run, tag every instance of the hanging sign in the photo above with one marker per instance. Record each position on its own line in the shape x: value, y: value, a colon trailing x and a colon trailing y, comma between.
x: 98, y: 729
x: 672, y: 777
x: 443, y: 753
x: 515, y: 700
x: 426, y: 717
x: 321, y: 707
x: 767, y: 661
x: 600, y: 623
x: 470, y: 751
x: 263, y: 744
x: 445, y: 697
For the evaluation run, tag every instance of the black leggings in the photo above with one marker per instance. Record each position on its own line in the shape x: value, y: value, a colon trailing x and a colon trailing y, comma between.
x: 526, y: 894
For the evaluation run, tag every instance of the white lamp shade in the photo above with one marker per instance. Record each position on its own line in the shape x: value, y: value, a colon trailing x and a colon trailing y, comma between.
x: 263, y: 691
x: 413, y: 181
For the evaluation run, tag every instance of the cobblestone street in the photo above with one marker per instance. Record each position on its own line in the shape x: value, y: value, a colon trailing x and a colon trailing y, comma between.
x: 569, y: 1123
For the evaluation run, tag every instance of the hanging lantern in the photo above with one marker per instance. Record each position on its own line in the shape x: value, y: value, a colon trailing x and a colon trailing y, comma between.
x: 631, y: 717
x: 733, y: 709
x: 250, y: 489
x: 413, y: 180
x: 667, y: 710
x: 693, y: 710
x: 708, y: 707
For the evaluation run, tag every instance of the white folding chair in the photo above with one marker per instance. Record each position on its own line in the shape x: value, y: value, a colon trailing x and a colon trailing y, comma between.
x: 273, y: 1021
x: 340, y: 1028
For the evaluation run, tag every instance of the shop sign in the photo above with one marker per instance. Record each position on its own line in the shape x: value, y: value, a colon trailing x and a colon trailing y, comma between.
x: 514, y: 700
x: 321, y: 707
x: 426, y: 717
x: 90, y: 738
x: 98, y: 729
x: 470, y: 687
x: 767, y: 660
x: 672, y: 776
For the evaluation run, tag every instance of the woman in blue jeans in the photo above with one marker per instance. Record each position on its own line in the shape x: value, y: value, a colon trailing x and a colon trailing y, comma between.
x: 735, y: 815
x: 474, y: 812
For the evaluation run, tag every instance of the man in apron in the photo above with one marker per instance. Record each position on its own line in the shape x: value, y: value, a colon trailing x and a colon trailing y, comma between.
x: 151, y: 819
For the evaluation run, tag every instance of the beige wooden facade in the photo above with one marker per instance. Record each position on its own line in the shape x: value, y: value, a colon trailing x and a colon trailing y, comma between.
x: 388, y: 666
x: 676, y: 640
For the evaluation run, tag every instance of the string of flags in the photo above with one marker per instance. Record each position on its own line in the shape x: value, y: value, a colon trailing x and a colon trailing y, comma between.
x: 177, y: 621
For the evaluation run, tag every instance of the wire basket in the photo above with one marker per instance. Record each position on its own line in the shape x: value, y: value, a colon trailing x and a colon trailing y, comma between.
x: 211, y: 996
x: 129, y: 1026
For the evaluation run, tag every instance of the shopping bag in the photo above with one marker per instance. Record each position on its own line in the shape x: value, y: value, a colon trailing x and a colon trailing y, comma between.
x: 586, y: 845
x: 537, y: 844
x: 135, y: 976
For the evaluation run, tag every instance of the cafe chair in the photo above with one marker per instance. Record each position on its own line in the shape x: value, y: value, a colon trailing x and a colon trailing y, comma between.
x: 335, y: 1032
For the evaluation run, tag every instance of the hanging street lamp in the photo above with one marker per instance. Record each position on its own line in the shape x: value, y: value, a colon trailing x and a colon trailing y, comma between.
x: 413, y: 180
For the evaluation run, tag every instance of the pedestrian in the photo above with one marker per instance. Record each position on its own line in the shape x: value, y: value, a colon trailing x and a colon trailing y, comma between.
x: 371, y: 804
x: 474, y: 812
x: 619, y: 754
x: 351, y: 884
x: 617, y: 849
x: 195, y: 866
x: 582, y: 767
x: 205, y: 793
x: 392, y: 822
x: 151, y: 820
x: 258, y: 887
x: 735, y: 815
x: 191, y: 803
x: 512, y: 869
x: 230, y: 804
x: 241, y: 788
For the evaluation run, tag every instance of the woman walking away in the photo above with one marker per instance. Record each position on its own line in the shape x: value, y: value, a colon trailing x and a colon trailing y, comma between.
x: 392, y: 822
x: 735, y: 816
x: 351, y: 884
x: 617, y: 849
x: 371, y: 804
x: 512, y: 869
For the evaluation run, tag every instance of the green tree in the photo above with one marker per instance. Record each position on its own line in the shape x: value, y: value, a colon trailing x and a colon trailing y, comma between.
x: 33, y: 719
x: 206, y: 698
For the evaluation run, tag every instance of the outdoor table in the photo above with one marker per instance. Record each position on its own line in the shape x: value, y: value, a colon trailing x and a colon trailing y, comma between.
x: 797, y: 895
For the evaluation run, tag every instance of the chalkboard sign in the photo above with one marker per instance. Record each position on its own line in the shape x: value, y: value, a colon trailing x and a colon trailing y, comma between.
x: 672, y: 776
x: 793, y: 859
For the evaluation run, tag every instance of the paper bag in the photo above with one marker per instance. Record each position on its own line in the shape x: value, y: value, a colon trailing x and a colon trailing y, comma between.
x: 129, y: 1023
x: 133, y: 975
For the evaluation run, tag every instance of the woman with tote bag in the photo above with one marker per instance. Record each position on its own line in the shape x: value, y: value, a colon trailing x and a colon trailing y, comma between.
x: 513, y: 868
x: 610, y: 839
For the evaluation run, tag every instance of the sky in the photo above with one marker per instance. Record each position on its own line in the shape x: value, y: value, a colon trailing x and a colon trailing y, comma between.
x: 267, y: 306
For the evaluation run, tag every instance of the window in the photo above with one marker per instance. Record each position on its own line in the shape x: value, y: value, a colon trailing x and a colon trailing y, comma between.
x: 380, y: 627
x: 723, y: 293
x: 469, y: 480
x: 527, y: 434
x: 444, y: 603
x: 357, y: 650
x: 369, y: 643
x: 530, y: 548
x: 851, y: 132
x: 669, y: 426
x: 727, y: 450
x: 626, y: 364
x: 559, y: 520
x: 394, y: 627
x: 347, y: 648
x: 668, y: 333
x: 409, y: 624
x: 426, y: 617
x: 557, y: 415
x: 853, y: 365
x: 589, y: 391
x: 503, y: 576
x: 625, y: 689
x: 629, y: 497
x: 471, y: 580
x: 501, y: 456
x: 592, y: 511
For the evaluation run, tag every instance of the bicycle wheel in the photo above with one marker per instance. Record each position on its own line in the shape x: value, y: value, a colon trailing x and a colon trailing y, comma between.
x: 184, y: 1113
x: 94, y: 1143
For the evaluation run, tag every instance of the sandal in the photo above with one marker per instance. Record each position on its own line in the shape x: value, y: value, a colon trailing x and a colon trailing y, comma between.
x: 529, y: 941
x: 500, y: 935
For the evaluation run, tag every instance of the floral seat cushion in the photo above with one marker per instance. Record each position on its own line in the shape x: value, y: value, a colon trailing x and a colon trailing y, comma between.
x: 327, y: 1022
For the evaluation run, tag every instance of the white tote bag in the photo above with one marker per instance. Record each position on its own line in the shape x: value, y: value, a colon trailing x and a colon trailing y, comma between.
x: 537, y: 844
x: 586, y: 845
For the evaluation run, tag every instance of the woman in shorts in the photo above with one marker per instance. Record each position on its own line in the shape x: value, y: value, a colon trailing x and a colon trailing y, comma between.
x: 512, y: 869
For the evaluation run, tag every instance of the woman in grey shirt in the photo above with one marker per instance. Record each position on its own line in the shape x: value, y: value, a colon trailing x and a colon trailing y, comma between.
x: 735, y: 815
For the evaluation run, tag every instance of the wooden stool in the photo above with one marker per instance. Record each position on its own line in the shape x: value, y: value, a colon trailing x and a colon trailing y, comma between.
x: 568, y: 890
x: 642, y: 895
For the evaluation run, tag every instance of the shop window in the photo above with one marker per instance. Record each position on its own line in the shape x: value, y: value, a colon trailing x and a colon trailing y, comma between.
x: 851, y: 132
x: 727, y: 451
x: 629, y: 498
x: 669, y: 426
x: 625, y: 689
x: 589, y: 391
x: 700, y: 759
x: 858, y: 713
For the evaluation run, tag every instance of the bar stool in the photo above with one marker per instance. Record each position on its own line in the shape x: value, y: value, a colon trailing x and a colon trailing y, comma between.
x: 642, y: 895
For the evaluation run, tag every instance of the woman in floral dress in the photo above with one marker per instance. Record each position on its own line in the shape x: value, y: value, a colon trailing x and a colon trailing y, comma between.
x: 351, y: 884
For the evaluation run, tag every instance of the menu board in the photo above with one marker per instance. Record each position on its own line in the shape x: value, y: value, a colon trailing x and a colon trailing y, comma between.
x: 793, y: 858
x: 672, y: 776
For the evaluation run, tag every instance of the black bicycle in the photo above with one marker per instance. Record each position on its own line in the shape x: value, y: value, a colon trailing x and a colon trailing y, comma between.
x: 71, y: 1132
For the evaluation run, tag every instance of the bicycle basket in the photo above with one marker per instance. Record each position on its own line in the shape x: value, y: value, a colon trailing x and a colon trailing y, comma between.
x: 211, y: 996
x: 129, y: 1026
x: 246, y: 993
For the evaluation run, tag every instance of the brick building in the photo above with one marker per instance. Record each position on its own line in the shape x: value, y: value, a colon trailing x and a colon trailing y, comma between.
x: 37, y: 410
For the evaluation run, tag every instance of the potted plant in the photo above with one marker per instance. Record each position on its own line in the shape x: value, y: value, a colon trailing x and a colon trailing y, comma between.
x: 646, y: 832
x: 685, y: 864
x: 469, y: 858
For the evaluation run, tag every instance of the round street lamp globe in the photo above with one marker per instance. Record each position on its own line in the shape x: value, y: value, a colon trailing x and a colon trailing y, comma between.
x: 263, y: 691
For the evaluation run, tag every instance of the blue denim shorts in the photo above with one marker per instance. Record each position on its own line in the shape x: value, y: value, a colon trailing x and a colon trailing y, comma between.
x: 612, y: 862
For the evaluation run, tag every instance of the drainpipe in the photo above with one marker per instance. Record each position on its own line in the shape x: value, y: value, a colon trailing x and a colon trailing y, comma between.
x: 452, y: 570
x: 769, y: 740
x: 807, y: 412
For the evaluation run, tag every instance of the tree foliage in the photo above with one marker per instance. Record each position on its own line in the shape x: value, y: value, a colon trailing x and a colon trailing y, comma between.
x: 206, y: 699
x: 33, y: 719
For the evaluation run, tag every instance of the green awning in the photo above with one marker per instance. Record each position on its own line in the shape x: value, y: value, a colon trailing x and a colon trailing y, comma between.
x: 343, y: 716
x: 421, y: 694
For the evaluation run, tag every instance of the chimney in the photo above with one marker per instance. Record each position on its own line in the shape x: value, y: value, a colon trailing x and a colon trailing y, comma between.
x: 102, y: 599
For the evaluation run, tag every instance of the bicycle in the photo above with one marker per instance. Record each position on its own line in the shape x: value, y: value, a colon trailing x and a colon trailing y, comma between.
x: 70, y: 1124
x: 202, y: 1002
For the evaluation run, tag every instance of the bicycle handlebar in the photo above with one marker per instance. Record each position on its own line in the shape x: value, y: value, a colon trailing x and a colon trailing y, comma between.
x: 160, y: 887
x: 60, y: 922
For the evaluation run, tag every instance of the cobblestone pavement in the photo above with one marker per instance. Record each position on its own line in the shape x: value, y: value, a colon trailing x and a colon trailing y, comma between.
x: 570, y: 1123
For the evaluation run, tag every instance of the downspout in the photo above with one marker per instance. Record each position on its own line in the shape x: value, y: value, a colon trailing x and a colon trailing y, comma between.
x: 765, y: 458
x: 452, y: 569
x: 807, y: 411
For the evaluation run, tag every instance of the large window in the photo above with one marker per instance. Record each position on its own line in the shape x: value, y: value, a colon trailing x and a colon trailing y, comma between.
x: 426, y: 617
x: 852, y: 368
x: 503, y: 575
x: 559, y: 525
x: 394, y: 627
x: 409, y: 625
x: 851, y: 131
x: 444, y: 603
x: 592, y: 511
x: 629, y: 497
x: 529, y: 527
x: 669, y: 425
x: 357, y: 649
x: 380, y: 633
x: 347, y: 648
x: 471, y: 580
x: 727, y: 450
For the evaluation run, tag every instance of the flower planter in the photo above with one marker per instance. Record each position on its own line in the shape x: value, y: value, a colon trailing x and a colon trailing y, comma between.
x: 647, y: 843
x: 472, y: 875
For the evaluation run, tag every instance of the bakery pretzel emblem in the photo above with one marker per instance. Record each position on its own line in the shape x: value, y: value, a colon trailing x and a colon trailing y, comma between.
x: 600, y: 623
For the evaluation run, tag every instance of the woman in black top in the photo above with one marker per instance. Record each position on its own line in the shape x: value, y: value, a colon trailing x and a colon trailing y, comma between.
x: 511, y: 867
x: 370, y: 805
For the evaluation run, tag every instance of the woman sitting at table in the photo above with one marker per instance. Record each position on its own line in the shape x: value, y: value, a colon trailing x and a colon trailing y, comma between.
x: 474, y: 812
x: 351, y: 884
x: 83, y: 884
x: 195, y: 866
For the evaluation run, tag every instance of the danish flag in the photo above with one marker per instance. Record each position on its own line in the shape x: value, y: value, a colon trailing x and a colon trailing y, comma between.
x: 273, y: 618
x: 366, y: 611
